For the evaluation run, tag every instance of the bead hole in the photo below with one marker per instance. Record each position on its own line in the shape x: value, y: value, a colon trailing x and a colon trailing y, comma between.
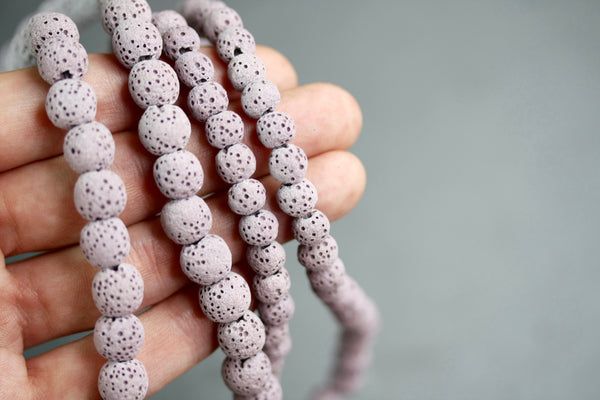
x: 237, y: 51
x: 145, y: 57
x: 66, y: 75
x: 184, y: 50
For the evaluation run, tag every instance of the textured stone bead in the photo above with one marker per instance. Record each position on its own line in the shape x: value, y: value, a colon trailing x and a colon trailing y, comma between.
x: 186, y: 221
x: 278, y: 313
x: 115, y: 12
x: 260, y: 97
x: 271, y: 391
x: 164, y: 129
x: 219, y: 20
x: 298, y: 199
x: 207, y: 99
x: 320, y: 255
x: 99, y: 195
x: 246, y: 197
x: 178, y: 175
x: 226, y: 300
x: 275, y: 129
x: 123, y: 380
x: 249, y: 376
x: 89, y: 147
x: 279, y: 349
x: 207, y: 261
x: 273, y: 288
x: 133, y: 42
x: 196, y: 11
x: 118, y: 338
x: 153, y: 83
x: 329, y: 278
x: 180, y: 40
x: 105, y: 243
x: 242, y: 338
x: 167, y: 19
x: 288, y: 164
x: 259, y: 229
x: 118, y: 291
x: 311, y: 228
x: 70, y: 102
x: 235, y: 41
x: 45, y: 27
x: 266, y: 260
x: 276, y: 335
x: 245, y: 68
x: 194, y: 68
x: 62, y: 59
x: 235, y: 163
x: 224, y: 129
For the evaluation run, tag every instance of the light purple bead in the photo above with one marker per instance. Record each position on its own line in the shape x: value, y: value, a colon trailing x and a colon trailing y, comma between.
x: 277, y: 337
x: 242, y: 338
x: 259, y: 229
x: 62, y: 59
x: 89, y: 147
x: 224, y: 129
x: 327, y: 279
x: 99, y: 195
x: 245, y: 68
x: 311, y: 228
x: 235, y: 41
x: 186, y: 221
x: 194, y: 68
x: 167, y: 19
x: 153, y: 83
x: 320, y: 255
x: 275, y: 129
x: 178, y: 175
x: 260, y: 97
x: 280, y: 349
x: 115, y: 12
x: 164, y: 129
x: 196, y: 11
x: 180, y: 40
x: 249, y: 376
x: 235, y: 163
x: 105, y: 243
x: 226, y: 300
x: 298, y: 199
x: 118, y: 291
x: 288, y: 164
x: 70, y: 102
x: 118, y: 338
x: 271, y: 391
x: 278, y: 313
x: 207, y: 261
x: 219, y: 20
x: 207, y: 99
x: 49, y: 26
x: 271, y: 289
x: 266, y: 260
x: 246, y: 197
x: 123, y: 380
x: 133, y: 42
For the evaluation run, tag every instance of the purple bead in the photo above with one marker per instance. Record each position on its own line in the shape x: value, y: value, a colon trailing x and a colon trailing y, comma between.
x: 133, y: 42
x: 194, y: 68
x: 118, y: 338
x: 288, y: 164
x: 278, y: 338
x: 115, y: 12
x: 259, y: 229
x: 123, y: 380
x: 186, y: 221
x: 320, y: 255
x: 207, y: 99
x: 70, y: 102
x: 242, y: 338
x: 164, y: 129
x: 298, y: 199
x: 99, y: 195
x: 245, y: 68
x: 207, y: 261
x: 271, y: 391
x: 196, y: 11
x: 246, y: 197
x: 165, y: 20
x: 224, y: 129
x: 249, y: 376
x: 266, y: 260
x: 219, y: 20
x: 89, y: 147
x: 180, y: 40
x: 273, y: 288
x: 226, y: 300
x: 118, y: 291
x: 278, y: 313
x: 63, y: 58
x: 153, y: 83
x: 260, y: 97
x: 235, y: 41
x: 275, y: 129
x: 311, y: 228
x: 178, y: 175
x: 280, y: 349
x: 235, y: 163
x: 105, y: 243
x: 327, y: 279
x: 49, y: 26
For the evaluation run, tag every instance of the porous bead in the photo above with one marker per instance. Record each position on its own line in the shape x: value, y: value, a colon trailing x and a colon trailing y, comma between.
x: 320, y: 255
x: 70, y: 102
x: 271, y: 289
x: 153, y: 83
x: 266, y: 260
x: 275, y: 129
x: 278, y: 313
x: 62, y: 59
x: 89, y: 147
x: 123, y: 380
x: 178, y: 175
x: 219, y: 20
x: 235, y: 163
x: 247, y: 377
x: 224, y: 129
x: 298, y: 199
x: 180, y: 40
x: 164, y: 129
x: 280, y: 349
x: 186, y: 221
x: 167, y: 19
x: 196, y: 11
x: 118, y: 338
x: 243, y: 337
x: 260, y: 97
x: 311, y: 228
x: 207, y: 261
x: 115, y: 12
x: 226, y: 300
x: 45, y: 27
x: 245, y: 68
x: 235, y: 41
x: 133, y: 42
x: 118, y: 291
x: 99, y: 195
x: 246, y: 197
x: 207, y: 99
x: 276, y: 335
x: 194, y: 68
x: 259, y: 229
x: 329, y: 278
x: 105, y: 243
x: 288, y: 164
x: 271, y: 391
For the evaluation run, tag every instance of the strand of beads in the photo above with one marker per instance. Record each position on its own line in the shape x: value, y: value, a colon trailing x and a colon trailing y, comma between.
x: 100, y: 196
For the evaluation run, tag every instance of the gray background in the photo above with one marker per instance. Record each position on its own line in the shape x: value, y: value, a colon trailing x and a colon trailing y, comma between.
x: 478, y: 233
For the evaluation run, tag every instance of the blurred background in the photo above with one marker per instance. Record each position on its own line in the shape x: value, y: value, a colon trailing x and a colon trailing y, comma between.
x: 478, y: 233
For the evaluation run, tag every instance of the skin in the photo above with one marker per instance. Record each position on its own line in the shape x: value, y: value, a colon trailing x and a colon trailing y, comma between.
x: 48, y: 296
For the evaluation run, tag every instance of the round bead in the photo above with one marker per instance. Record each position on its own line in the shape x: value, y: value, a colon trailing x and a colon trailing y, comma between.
x: 259, y: 229
x: 249, y: 376
x: 271, y: 289
x: 44, y: 27
x: 278, y: 313
x: 219, y: 20
x: 226, y: 300
x: 224, y: 129
x: 99, y: 195
x: 275, y: 129
x: 266, y: 260
x: 246, y: 197
x: 277, y: 335
x: 243, y: 337
x: 133, y: 42
x: 260, y: 97
x: 180, y: 40
x: 118, y: 291
x: 105, y: 243
x: 327, y: 279
x: 62, y: 59
x: 118, y: 338
x: 235, y: 163
x: 123, y: 380
x: 178, y: 175
x: 89, y: 147
x: 320, y: 255
x: 271, y: 391
x: 207, y: 261
x: 288, y: 164
x: 280, y: 349
x: 164, y: 129
x: 245, y: 68
x: 70, y: 102
x: 115, y: 12
x: 196, y: 11
x: 311, y: 228
x: 153, y: 82
x: 186, y: 221
x: 207, y: 99
x: 194, y: 68
x: 235, y: 41
x: 298, y: 199
x: 167, y: 19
